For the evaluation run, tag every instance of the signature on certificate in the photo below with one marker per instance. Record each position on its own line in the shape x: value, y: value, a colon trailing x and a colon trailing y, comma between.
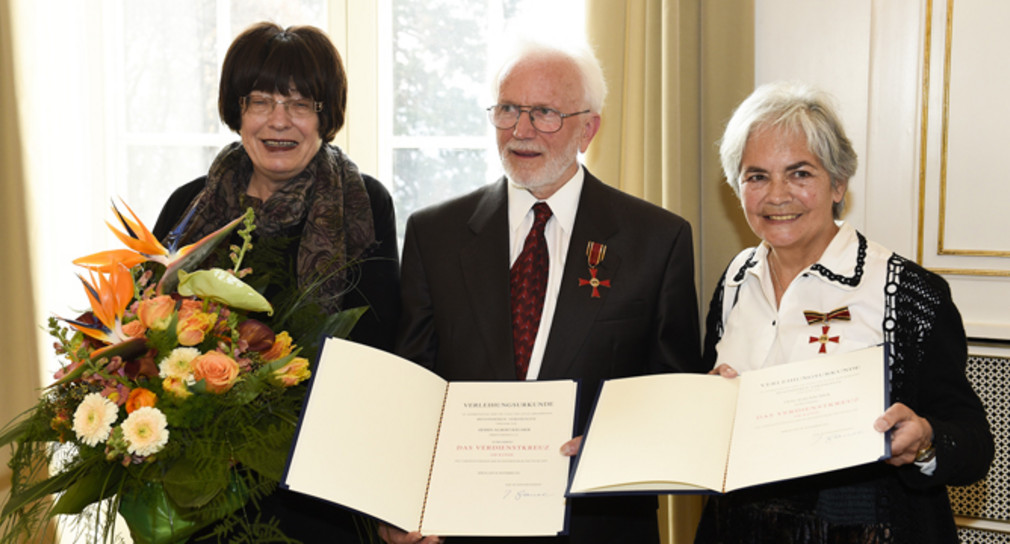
x: 524, y: 494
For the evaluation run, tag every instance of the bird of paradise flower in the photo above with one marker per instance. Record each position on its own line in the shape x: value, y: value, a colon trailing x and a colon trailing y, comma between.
x: 111, y: 288
x: 144, y: 246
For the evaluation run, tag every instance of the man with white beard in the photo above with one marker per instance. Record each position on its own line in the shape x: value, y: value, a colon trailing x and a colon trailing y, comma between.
x: 597, y: 284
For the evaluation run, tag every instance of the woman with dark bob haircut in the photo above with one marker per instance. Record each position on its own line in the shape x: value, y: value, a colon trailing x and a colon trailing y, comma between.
x: 323, y: 230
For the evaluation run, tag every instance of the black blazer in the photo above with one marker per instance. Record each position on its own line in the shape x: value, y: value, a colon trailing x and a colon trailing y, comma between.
x: 456, y: 310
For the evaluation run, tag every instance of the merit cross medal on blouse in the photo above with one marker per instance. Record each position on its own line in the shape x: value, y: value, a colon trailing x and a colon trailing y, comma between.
x: 594, y: 254
x: 813, y: 318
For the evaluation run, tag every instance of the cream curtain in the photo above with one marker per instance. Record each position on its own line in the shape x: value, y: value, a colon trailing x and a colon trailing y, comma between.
x: 648, y: 141
x: 675, y: 70
x: 19, y: 365
x: 648, y: 144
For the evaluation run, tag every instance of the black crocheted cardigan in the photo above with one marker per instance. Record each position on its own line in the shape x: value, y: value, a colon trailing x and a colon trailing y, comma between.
x: 877, y: 502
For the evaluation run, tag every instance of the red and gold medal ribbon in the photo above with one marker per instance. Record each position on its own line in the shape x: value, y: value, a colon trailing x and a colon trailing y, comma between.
x: 595, y: 252
x: 840, y: 314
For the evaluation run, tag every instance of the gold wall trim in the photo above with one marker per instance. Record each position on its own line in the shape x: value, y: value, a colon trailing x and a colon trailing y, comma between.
x: 944, y: 135
x: 975, y: 252
x: 970, y: 272
x: 924, y: 131
x: 941, y: 249
x: 945, y: 127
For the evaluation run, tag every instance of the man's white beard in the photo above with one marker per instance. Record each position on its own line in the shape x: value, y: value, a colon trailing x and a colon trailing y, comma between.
x: 548, y: 174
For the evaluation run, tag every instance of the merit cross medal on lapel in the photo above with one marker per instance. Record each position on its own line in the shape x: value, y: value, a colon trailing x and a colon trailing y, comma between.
x: 594, y: 254
x: 813, y: 318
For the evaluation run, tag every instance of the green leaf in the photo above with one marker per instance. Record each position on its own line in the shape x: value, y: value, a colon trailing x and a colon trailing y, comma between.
x: 54, y: 484
x: 339, y: 325
x: 165, y: 340
x: 268, y: 454
x: 17, y: 428
x: 127, y: 349
x: 267, y: 369
x: 152, y: 517
x: 93, y: 485
x: 192, y: 485
x: 192, y: 255
x: 73, y: 376
x: 200, y: 387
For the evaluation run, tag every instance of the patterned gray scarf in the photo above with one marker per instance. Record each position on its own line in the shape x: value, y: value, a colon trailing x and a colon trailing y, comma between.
x: 329, y: 196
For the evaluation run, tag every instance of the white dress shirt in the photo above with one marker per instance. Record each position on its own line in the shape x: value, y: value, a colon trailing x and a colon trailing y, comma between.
x: 558, y: 232
x: 758, y: 334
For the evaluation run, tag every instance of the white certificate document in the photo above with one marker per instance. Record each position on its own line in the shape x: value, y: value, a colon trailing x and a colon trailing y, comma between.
x: 806, y: 418
x: 390, y: 439
x: 672, y: 433
x: 502, y: 460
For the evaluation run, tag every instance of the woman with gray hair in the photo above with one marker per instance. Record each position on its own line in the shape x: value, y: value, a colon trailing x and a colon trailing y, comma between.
x: 786, y: 155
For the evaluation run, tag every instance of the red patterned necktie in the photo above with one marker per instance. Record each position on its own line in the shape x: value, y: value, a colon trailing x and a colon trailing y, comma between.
x: 529, y: 283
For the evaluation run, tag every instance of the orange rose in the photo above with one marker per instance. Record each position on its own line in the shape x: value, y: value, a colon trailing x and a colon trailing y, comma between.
x: 191, y: 329
x: 219, y: 371
x: 156, y: 313
x: 293, y: 373
x: 187, y: 306
x: 134, y: 329
x: 280, y: 348
x: 140, y: 398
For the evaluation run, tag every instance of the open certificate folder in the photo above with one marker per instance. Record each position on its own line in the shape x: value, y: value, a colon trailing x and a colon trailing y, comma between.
x: 672, y: 433
x: 388, y: 438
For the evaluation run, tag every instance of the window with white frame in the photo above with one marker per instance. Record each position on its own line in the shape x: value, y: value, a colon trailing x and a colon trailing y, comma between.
x: 437, y: 57
x: 119, y: 100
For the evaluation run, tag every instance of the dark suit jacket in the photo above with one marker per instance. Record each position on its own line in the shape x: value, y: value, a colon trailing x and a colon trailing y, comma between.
x: 456, y: 310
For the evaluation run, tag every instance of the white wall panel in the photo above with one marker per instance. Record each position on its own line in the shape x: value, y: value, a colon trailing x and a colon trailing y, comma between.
x: 922, y: 88
x: 964, y: 120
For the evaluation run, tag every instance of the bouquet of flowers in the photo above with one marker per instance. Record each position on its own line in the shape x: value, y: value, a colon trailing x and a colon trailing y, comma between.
x: 173, y: 408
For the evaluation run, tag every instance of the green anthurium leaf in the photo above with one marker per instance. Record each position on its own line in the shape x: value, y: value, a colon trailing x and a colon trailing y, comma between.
x: 92, y: 486
x: 221, y: 286
x: 191, y: 486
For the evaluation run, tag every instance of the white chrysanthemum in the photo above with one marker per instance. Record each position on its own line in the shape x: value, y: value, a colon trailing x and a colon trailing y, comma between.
x: 94, y: 418
x: 145, y: 431
x: 177, y: 365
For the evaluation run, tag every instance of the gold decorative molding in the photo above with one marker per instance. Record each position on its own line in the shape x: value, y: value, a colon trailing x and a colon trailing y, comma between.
x: 944, y: 135
x: 970, y: 272
x: 924, y: 130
